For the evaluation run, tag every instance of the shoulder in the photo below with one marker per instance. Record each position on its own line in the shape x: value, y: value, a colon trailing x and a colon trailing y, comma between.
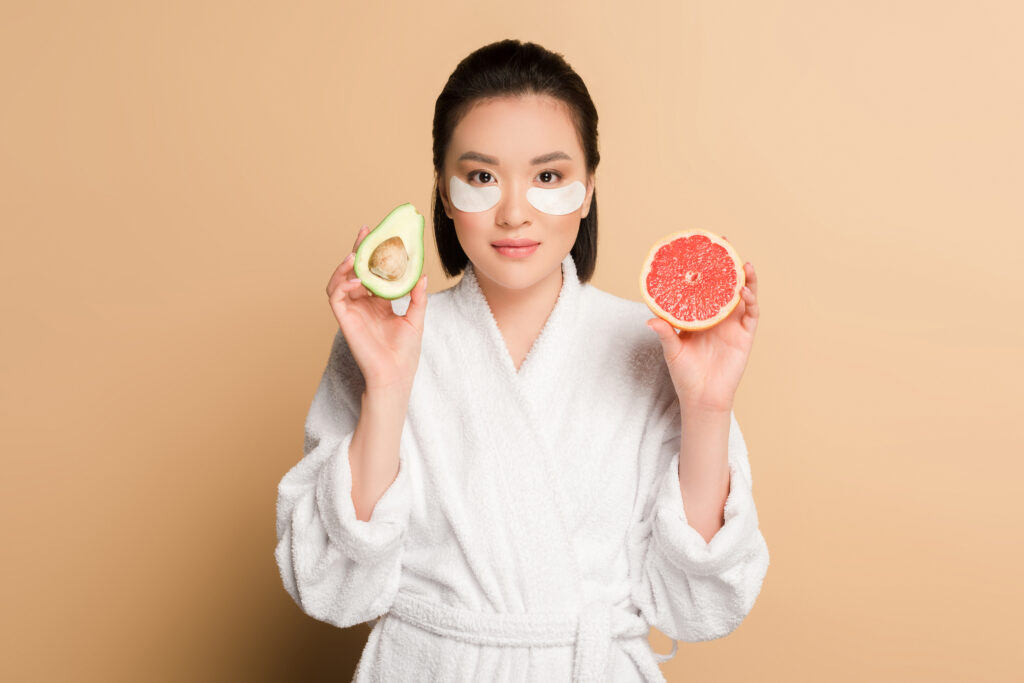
x: 637, y: 351
x: 620, y: 325
x: 613, y: 308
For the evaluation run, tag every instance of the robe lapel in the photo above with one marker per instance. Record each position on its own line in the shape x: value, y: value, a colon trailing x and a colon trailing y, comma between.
x: 519, y: 412
x: 541, y: 373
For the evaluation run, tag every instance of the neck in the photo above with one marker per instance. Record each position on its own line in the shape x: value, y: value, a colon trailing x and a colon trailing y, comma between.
x: 521, y: 313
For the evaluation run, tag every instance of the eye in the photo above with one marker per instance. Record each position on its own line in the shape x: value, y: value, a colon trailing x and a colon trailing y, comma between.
x: 483, y: 176
x: 557, y: 176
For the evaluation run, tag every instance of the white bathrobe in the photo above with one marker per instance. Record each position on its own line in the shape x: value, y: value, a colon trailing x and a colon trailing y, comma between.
x: 536, y: 529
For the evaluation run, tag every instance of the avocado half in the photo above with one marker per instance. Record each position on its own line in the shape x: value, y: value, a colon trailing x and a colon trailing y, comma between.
x: 389, y: 260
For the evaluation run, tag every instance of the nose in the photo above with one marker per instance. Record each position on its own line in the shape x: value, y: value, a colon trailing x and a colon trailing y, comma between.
x: 513, y: 210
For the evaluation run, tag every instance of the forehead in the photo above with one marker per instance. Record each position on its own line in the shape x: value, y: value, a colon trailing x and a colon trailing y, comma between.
x: 515, y: 129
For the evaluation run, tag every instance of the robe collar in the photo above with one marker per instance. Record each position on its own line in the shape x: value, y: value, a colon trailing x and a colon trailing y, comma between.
x: 525, y: 410
x: 552, y: 349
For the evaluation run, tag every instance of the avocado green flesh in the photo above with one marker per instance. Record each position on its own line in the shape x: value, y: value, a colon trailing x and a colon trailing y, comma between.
x: 405, y: 223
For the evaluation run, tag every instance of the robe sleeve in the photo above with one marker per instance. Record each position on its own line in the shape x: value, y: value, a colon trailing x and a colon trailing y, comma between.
x: 337, y: 568
x: 688, y: 588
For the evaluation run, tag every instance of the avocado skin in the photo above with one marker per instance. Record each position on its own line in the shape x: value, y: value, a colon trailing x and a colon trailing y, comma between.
x: 407, y: 223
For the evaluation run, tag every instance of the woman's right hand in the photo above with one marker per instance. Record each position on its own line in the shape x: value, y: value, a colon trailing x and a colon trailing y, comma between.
x: 386, y: 346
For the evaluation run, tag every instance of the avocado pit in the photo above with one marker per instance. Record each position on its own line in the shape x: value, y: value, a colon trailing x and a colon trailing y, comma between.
x: 389, y: 259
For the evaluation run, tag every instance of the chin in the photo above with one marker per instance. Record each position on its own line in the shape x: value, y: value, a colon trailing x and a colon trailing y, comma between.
x: 517, y: 274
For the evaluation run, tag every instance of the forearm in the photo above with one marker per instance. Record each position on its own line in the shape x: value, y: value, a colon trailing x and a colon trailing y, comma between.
x: 704, y: 468
x: 373, y: 454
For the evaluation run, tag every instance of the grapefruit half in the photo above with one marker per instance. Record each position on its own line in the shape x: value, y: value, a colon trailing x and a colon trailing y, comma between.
x: 692, y: 279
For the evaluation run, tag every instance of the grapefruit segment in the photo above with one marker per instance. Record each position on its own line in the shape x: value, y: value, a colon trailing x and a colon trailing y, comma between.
x: 692, y: 279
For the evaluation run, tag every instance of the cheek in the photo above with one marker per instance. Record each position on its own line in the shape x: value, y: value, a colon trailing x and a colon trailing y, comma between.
x: 568, y: 227
x: 560, y: 232
x: 471, y: 228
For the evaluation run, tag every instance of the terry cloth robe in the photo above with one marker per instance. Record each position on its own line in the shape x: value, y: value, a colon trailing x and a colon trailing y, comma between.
x: 536, y: 528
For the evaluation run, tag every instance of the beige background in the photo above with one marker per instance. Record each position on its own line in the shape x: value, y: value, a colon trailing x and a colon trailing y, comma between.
x: 179, y: 180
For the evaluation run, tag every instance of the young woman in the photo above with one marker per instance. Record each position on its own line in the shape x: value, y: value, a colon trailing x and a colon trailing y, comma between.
x: 514, y: 473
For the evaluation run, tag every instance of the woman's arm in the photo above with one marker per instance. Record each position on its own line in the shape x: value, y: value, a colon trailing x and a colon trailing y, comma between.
x: 373, y: 455
x: 703, y: 472
x: 687, y: 586
x: 338, y: 568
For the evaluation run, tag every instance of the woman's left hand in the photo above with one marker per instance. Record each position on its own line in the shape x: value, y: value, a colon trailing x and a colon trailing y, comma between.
x: 706, y: 365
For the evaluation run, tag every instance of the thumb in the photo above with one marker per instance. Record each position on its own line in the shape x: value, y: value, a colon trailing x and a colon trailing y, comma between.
x: 666, y: 333
x: 418, y: 303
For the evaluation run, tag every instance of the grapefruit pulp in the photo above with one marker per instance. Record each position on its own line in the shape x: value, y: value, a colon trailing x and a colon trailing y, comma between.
x: 692, y: 279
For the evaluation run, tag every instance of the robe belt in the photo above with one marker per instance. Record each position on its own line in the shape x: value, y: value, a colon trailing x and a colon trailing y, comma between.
x: 591, y: 631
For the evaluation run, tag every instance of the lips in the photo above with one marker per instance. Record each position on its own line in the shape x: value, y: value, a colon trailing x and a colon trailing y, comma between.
x: 515, y: 243
x: 517, y: 252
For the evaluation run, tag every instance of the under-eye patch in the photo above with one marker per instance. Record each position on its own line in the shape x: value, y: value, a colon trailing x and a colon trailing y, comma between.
x: 472, y: 198
x: 557, y: 201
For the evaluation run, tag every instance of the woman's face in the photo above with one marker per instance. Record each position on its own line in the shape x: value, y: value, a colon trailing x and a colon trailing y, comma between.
x: 497, y: 154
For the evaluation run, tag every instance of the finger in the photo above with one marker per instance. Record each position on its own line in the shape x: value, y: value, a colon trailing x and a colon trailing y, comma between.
x: 363, y: 232
x: 665, y: 326
x: 349, y: 264
x: 347, y: 287
x: 341, y: 273
x: 352, y: 285
x: 751, y: 276
x: 668, y: 335
x: 355, y: 289
x: 342, y: 294
x: 752, y: 310
x: 418, y: 303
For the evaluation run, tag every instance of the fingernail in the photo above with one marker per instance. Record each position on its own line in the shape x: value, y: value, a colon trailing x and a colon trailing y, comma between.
x: 355, y: 279
x: 349, y: 257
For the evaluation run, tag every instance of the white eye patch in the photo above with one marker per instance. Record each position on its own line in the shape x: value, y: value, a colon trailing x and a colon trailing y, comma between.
x: 472, y: 198
x: 557, y: 201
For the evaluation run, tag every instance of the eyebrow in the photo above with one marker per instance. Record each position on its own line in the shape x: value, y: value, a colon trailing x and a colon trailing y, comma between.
x: 542, y: 159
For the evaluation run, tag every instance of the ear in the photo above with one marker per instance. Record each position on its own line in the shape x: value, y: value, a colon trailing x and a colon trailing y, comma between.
x: 589, y: 195
x: 442, y: 188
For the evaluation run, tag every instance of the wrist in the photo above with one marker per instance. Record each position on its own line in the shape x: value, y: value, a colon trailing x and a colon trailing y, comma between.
x: 390, y: 397
x: 387, y: 390
x: 690, y: 410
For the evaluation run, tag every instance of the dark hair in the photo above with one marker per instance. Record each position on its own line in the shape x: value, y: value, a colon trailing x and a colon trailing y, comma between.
x: 508, y: 68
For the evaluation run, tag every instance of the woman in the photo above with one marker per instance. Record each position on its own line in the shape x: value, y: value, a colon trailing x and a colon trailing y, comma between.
x: 500, y: 478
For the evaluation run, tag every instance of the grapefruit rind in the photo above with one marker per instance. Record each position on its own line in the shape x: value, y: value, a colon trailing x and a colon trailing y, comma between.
x: 723, y: 313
